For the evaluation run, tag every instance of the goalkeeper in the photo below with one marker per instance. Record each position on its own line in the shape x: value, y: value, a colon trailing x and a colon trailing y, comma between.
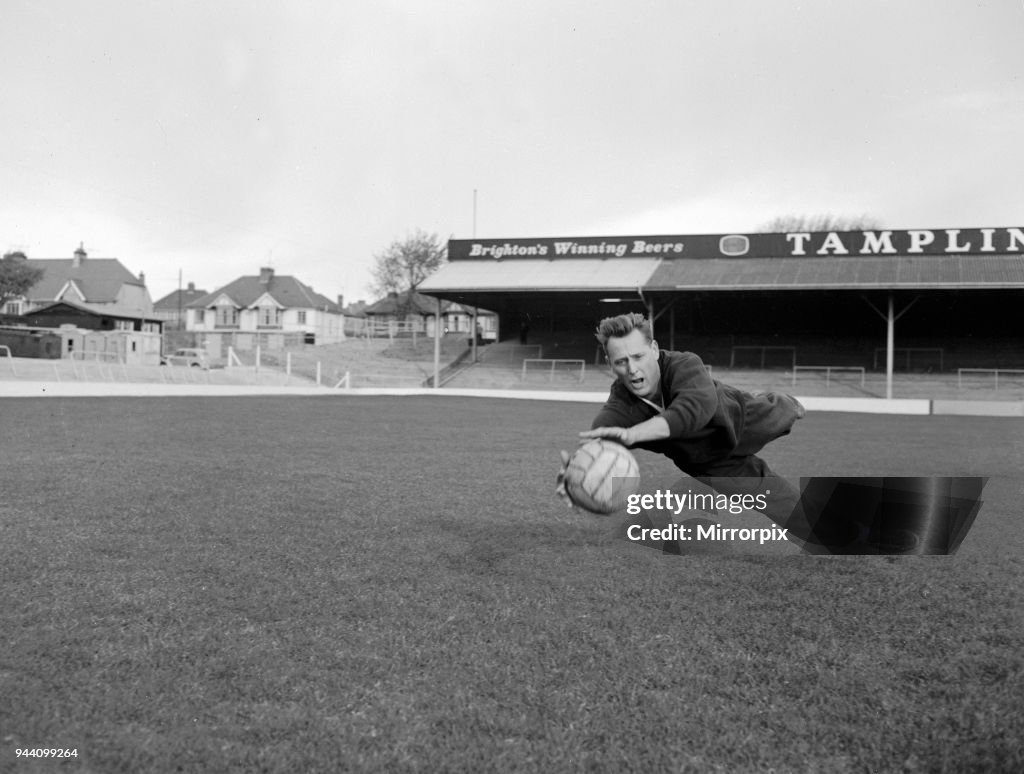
x: 667, y: 403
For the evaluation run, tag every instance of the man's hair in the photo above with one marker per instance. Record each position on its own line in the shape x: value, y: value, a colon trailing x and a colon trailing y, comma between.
x: 623, y: 325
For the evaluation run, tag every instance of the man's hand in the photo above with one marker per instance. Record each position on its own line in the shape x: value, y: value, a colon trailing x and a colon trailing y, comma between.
x: 560, y: 481
x: 620, y: 434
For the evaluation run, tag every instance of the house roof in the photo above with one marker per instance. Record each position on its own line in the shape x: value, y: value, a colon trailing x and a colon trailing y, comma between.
x: 961, y: 271
x: 87, y: 309
x: 171, y: 303
x: 393, y: 304
x: 358, y: 309
x: 285, y: 290
x: 467, y: 309
x: 99, y: 279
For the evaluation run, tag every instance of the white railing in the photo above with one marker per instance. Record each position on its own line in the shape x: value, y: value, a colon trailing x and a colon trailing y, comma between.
x: 994, y: 371
x: 96, y: 356
x: 69, y: 370
x: 392, y: 329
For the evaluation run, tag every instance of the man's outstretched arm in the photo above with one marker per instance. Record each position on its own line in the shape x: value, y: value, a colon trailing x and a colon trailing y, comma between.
x: 653, y: 429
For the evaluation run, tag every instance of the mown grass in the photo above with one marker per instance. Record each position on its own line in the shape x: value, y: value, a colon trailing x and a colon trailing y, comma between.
x: 387, y: 584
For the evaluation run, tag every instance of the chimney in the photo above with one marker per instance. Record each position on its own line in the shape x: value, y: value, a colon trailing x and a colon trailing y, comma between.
x: 266, y: 274
x: 79, y: 256
x: 341, y: 301
x: 142, y: 277
x: 191, y: 287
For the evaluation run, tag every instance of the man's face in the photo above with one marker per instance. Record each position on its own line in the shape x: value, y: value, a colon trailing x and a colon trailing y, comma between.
x: 634, y: 360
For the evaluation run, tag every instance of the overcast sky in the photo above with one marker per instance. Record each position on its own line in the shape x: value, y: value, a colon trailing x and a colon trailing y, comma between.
x: 217, y: 137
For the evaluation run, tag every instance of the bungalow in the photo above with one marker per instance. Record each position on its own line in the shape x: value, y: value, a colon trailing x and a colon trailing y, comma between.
x: 415, y: 312
x: 459, y: 317
x: 171, y: 308
x: 265, y: 309
x: 398, y: 313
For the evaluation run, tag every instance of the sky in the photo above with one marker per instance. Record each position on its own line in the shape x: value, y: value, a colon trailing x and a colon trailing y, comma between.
x: 202, y: 141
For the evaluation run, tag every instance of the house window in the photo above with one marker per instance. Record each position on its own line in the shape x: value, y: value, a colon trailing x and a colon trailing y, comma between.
x: 227, y: 317
x: 302, y: 317
x: 123, y: 325
x: 270, y: 317
x: 12, y: 307
x: 199, y: 316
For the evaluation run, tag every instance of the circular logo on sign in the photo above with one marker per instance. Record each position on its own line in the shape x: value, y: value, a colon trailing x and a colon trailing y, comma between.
x: 734, y: 244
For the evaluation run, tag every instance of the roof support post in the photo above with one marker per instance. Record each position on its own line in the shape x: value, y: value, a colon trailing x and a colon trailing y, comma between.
x: 890, y: 318
x: 649, y: 303
x: 650, y: 308
x: 476, y: 311
x: 437, y: 345
x: 890, y: 340
x: 652, y: 317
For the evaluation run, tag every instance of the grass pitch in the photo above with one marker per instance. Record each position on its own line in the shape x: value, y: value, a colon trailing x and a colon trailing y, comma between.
x: 388, y: 584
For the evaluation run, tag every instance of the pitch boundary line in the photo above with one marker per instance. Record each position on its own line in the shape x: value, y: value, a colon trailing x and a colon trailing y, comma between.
x: 904, y: 406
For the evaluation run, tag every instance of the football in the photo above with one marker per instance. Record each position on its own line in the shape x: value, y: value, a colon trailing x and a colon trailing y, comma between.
x: 601, y: 475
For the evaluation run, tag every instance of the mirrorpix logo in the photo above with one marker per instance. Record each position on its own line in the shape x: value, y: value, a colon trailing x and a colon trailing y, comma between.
x: 698, y: 530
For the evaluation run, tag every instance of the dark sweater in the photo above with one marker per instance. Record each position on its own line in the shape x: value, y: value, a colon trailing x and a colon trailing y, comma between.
x: 706, y: 418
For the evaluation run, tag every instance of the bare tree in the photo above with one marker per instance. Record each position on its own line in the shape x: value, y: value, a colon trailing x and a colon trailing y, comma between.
x: 786, y: 224
x: 16, y: 276
x: 405, y: 264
